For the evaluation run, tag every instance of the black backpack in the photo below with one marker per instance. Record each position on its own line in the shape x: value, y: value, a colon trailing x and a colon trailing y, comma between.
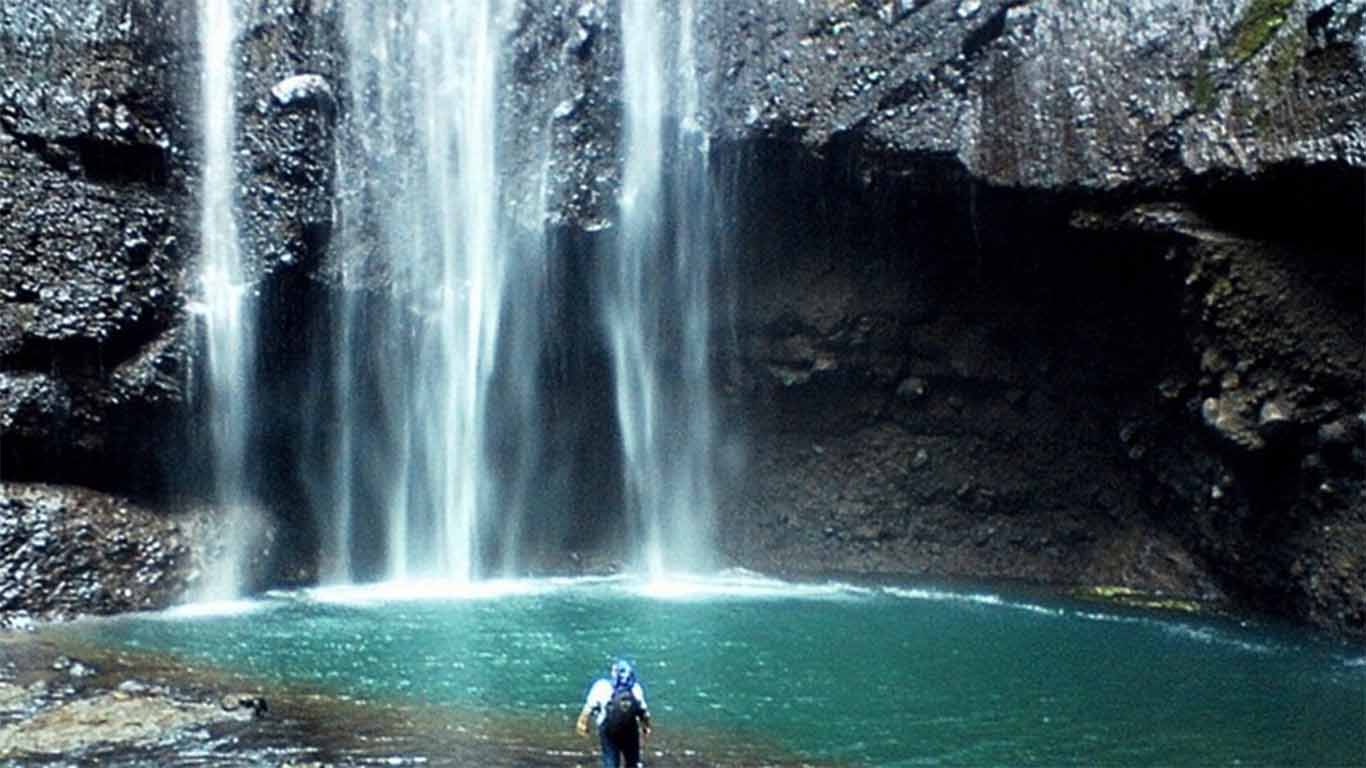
x: 622, y: 710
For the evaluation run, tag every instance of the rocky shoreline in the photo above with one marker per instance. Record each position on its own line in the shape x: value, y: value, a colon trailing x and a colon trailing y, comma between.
x: 56, y: 707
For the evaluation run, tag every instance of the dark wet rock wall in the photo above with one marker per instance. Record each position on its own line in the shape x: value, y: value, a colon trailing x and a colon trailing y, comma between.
x: 957, y: 379
x: 98, y: 239
x: 66, y: 552
x: 93, y: 156
x: 1068, y: 292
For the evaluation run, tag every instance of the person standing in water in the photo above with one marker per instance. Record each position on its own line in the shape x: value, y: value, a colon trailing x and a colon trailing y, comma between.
x: 618, y: 703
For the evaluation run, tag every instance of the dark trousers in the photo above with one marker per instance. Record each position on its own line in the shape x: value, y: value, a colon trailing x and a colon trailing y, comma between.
x: 620, y: 750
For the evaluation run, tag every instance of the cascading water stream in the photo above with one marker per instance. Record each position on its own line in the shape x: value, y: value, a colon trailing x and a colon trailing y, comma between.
x: 433, y: 467
x: 657, y: 296
x: 424, y: 79
x: 228, y: 326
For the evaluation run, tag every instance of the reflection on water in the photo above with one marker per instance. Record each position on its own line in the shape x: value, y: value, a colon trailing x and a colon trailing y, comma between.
x: 829, y: 673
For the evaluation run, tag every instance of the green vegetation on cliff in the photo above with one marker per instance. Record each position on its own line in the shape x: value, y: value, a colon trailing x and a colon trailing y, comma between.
x: 1203, y: 90
x: 1256, y: 27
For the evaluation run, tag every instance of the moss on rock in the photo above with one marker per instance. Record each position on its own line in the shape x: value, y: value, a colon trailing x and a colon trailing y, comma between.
x: 1134, y: 598
x: 1257, y: 26
x: 1203, y: 86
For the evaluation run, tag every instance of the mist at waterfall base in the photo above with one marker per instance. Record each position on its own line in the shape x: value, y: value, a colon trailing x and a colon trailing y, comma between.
x: 741, y: 670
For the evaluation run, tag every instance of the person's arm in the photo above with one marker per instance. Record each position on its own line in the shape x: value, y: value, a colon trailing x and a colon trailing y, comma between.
x: 646, y: 725
x: 589, y: 707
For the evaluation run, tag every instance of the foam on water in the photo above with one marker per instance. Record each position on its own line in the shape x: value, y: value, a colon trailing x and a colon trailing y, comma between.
x: 1200, y: 634
x: 213, y: 609
x: 935, y: 595
x: 973, y: 598
x: 733, y: 584
x: 1111, y: 618
x: 1210, y: 636
x: 743, y: 585
x: 1039, y: 609
x: 433, y: 590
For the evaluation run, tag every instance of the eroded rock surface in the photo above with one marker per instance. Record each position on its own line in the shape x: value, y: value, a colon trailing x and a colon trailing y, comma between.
x: 1048, y: 95
x: 97, y: 710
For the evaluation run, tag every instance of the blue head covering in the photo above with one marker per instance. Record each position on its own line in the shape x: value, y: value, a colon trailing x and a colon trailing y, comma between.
x: 623, y: 675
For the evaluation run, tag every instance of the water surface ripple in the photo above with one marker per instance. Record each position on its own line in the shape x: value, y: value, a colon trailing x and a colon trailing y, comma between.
x: 831, y: 673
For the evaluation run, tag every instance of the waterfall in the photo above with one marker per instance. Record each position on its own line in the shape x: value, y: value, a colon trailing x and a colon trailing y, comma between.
x: 224, y: 308
x: 423, y: 348
x: 437, y: 464
x: 656, y: 295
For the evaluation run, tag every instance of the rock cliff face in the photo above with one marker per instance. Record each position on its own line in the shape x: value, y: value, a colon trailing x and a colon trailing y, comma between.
x: 98, y: 251
x: 93, y: 236
x: 1061, y: 291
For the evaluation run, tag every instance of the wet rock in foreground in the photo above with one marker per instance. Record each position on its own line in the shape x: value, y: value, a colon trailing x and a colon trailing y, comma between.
x: 112, y: 718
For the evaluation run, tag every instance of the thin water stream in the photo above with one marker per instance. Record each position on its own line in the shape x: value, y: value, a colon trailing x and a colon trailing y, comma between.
x: 828, y: 673
x: 657, y: 294
x: 229, y: 328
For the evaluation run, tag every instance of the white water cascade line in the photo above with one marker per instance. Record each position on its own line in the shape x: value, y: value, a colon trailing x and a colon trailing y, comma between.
x: 464, y: 108
x: 415, y: 366
x: 228, y: 328
x: 657, y: 312
x: 425, y: 85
